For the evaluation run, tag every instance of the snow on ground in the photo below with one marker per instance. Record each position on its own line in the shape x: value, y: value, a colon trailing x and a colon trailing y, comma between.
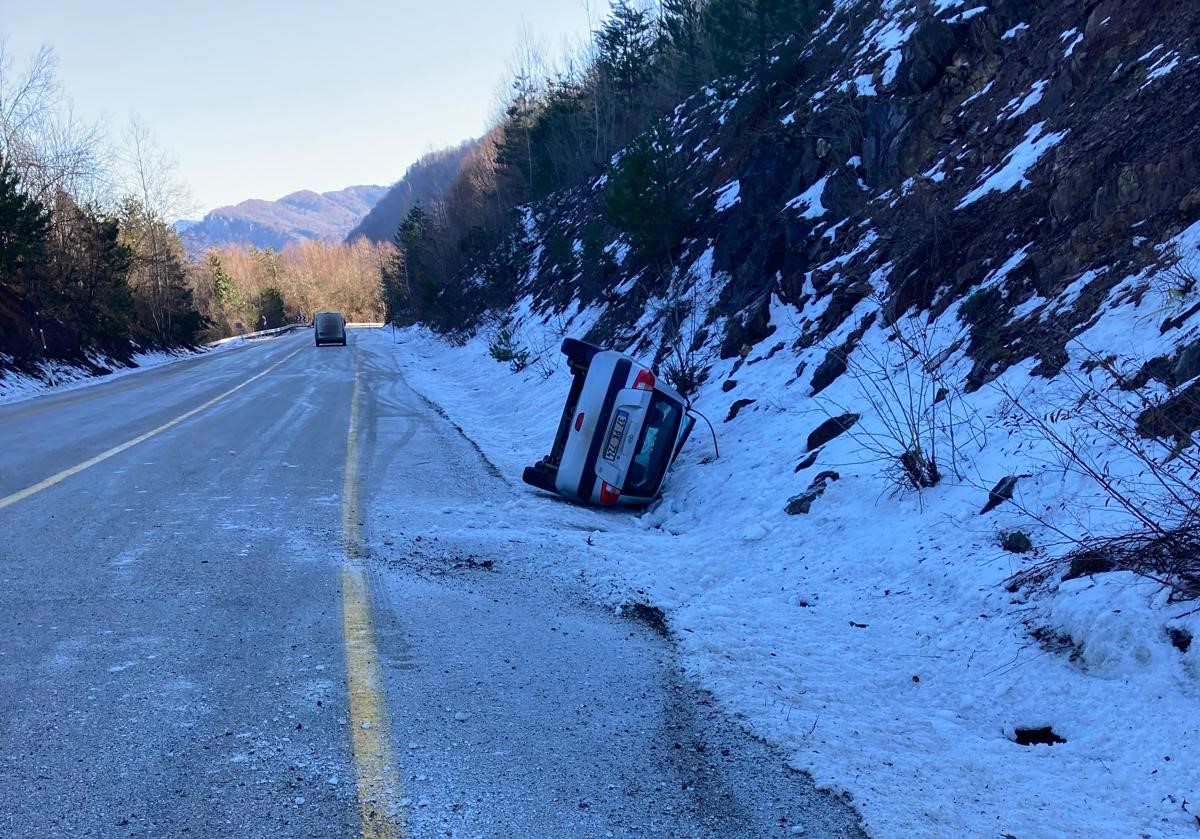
x: 728, y: 196
x: 810, y: 200
x: 1019, y: 161
x: 58, y: 377
x: 874, y: 638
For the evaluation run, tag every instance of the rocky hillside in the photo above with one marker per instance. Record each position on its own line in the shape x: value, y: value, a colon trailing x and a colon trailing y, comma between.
x: 1018, y: 150
x: 273, y: 224
x: 935, y: 278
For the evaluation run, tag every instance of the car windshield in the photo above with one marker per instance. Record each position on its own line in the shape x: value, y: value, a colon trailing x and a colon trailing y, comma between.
x: 328, y: 323
x: 653, y: 453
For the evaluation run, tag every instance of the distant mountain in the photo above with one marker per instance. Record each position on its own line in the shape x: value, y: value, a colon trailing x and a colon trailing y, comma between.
x: 426, y: 181
x: 273, y: 224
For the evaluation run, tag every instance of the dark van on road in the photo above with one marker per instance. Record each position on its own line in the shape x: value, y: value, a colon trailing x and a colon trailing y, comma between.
x: 330, y: 328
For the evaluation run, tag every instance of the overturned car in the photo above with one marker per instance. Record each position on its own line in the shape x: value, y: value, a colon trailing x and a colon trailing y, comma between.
x: 620, y: 431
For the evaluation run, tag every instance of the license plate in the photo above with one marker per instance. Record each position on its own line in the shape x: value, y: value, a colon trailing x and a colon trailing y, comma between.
x: 618, y: 432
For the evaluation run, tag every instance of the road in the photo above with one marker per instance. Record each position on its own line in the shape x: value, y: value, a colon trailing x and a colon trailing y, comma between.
x: 226, y: 610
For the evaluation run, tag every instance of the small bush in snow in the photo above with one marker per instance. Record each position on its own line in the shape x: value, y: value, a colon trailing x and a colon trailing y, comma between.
x: 504, y: 349
x: 917, y: 430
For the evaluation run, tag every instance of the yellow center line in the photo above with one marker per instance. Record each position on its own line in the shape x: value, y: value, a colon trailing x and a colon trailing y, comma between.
x: 375, y: 764
x: 9, y: 500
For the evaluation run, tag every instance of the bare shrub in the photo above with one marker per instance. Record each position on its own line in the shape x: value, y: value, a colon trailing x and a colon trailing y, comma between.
x: 1139, y: 449
x: 920, y: 428
x: 1179, y: 281
x: 686, y: 356
x: 1096, y: 424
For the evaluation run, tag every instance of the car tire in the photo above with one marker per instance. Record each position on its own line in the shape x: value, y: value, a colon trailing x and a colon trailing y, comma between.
x: 540, y: 477
x: 579, y: 352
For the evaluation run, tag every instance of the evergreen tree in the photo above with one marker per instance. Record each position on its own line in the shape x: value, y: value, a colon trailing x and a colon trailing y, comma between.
x: 414, y: 238
x: 393, y: 285
x: 271, y: 309
x: 514, y: 149
x: 645, y: 198
x: 84, y: 280
x: 682, y: 25
x: 627, y: 45
x: 742, y: 31
x: 224, y: 288
x: 166, y: 310
x: 24, y: 227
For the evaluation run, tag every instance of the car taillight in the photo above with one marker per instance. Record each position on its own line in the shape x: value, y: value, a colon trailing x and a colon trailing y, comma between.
x: 644, y: 381
x: 579, y: 421
x: 609, y: 494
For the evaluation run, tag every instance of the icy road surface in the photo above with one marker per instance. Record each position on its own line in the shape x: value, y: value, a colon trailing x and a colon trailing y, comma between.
x: 257, y: 595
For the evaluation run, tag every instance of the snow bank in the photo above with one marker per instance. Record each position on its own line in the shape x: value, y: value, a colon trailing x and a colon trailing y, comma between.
x: 873, y: 638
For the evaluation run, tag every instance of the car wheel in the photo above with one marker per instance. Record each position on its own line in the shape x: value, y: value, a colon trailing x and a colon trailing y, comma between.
x: 540, y: 477
x: 580, y: 352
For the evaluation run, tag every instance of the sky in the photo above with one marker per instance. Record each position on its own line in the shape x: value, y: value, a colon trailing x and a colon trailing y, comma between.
x: 258, y: 99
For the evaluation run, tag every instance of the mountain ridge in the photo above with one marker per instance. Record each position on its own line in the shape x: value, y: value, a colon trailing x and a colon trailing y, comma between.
x: 301, y: 215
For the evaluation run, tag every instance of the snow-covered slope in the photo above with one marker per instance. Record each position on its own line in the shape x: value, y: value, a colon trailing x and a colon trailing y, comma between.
x: 952, y: 244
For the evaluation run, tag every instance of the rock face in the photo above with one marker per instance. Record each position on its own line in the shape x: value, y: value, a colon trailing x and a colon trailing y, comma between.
x: 297, y: 217
x: 1188, y: 365
x: 1025, y: 146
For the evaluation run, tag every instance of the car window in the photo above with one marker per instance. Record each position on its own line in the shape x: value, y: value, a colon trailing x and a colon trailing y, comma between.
x: 653, y: 453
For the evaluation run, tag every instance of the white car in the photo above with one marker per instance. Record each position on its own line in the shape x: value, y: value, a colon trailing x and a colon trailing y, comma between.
x: 620, y: 431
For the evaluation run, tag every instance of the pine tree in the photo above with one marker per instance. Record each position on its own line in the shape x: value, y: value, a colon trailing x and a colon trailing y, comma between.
x: 627, y: 45
x: 224, y: 288
x: 414, y: 239
x: 645, y: 198
x: 24, y: 227
x: 682, y: 25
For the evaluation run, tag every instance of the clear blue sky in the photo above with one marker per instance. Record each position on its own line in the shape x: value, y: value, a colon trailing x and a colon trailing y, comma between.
x: 258, y: 99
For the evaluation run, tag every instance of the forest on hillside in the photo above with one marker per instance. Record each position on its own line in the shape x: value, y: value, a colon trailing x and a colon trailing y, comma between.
x: 88, y: 259
x: 568, y: 120
x: 91, y: 262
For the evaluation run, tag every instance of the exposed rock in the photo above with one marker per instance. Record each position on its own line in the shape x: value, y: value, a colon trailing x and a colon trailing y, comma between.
x: 1188, y: 365
x: 807, y: 462
x: 1180, y: 638
x: 1000, y: 493
x: 802, y: 503
x: 1179, y: 320
x: 926, y: 56
x: 728, y: 385
x: 1088, y: 563
x: 1175, y: 419
x: 1016, y: 541
x: 1044, y: 736
x: 830, y: 429
x: 828, y: 371
x: 1158, y: 368
x: 737, y: 406
x: 740, y: 335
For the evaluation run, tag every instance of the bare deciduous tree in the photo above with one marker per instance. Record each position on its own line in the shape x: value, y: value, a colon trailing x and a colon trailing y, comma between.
x: 41, y: 138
